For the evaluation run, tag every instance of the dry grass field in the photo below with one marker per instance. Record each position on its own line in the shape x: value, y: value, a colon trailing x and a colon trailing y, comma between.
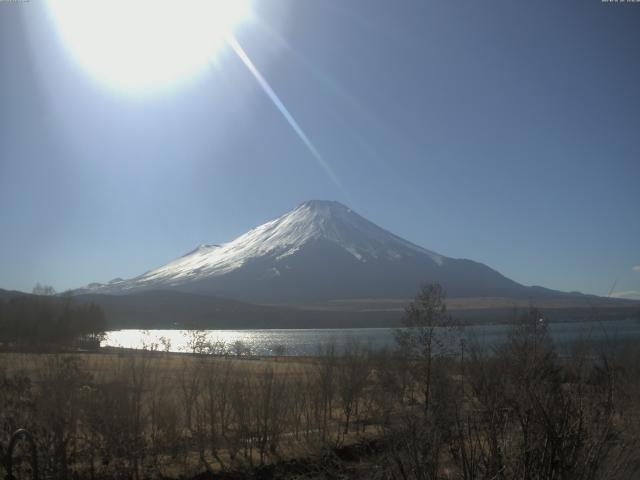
x: 105, y: 363
x: 521, y: 411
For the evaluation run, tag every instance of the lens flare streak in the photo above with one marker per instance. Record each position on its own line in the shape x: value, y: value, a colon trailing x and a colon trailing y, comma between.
x: 285, y: 112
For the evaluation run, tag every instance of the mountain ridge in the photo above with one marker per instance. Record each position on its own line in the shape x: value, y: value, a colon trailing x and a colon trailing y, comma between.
x: 178, y: 310
x: 320, y: 250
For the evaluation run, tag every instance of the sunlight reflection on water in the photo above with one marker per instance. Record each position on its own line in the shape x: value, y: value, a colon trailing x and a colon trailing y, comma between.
x: 308, y: 341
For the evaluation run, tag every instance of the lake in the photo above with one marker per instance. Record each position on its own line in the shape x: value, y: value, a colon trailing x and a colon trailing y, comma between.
x: 265, y: 342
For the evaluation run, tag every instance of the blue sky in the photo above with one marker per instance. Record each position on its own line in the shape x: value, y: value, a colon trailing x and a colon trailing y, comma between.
x: 505, y: 132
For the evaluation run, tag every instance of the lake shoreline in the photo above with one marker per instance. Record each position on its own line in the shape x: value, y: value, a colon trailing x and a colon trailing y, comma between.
x: 307, y: 342
x: 399, y: 325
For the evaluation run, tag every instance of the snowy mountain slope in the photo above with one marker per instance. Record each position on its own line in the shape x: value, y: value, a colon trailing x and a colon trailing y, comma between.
x: 320, y: 250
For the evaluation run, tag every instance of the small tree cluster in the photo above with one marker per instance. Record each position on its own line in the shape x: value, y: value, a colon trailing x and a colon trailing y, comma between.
x: 37, y: 321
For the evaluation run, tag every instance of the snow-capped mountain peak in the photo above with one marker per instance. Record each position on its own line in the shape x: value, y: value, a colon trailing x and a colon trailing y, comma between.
x: 312, y: 223
x: 334, y: 222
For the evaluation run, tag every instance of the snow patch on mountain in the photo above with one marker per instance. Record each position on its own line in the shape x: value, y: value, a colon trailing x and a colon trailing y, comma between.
x: 278, y: 239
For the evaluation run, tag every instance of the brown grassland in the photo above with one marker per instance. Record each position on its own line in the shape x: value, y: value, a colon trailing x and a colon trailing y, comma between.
x: 421, y: 411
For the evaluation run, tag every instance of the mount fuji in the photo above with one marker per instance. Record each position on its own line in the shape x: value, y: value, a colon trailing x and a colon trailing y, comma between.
x: 320, y: 251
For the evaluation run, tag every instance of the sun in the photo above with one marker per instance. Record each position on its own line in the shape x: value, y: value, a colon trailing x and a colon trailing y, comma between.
x: 145, y: 45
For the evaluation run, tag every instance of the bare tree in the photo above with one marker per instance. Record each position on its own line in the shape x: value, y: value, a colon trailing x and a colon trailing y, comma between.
x: 352, y: 373
x: 418, y: 340
x: 44, y: 290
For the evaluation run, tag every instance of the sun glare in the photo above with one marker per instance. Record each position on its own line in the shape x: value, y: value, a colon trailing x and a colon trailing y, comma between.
x: 143, y: 45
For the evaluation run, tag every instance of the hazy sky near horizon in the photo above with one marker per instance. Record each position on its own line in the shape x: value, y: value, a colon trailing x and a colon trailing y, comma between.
x: 507, y: 132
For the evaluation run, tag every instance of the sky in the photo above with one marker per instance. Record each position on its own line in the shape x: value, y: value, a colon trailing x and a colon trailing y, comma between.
x: 502, y: 131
